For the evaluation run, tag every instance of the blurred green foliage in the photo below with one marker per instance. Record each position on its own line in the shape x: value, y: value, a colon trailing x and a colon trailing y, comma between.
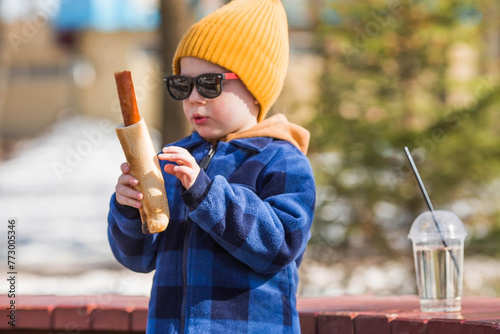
x: 405, y: 73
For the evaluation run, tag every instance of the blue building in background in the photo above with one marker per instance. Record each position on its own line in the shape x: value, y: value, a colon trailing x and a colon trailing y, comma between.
x: 108, y: 15
x: 131, y: 15
x: 136, y: 15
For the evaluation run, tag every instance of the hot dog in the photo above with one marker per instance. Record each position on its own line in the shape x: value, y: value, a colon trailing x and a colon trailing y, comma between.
x: 141, y: 156
x: 126, y: 94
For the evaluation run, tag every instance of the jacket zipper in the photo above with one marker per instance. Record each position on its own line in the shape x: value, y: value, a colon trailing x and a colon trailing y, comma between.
x: 185, y: 246
x: 208, y: 158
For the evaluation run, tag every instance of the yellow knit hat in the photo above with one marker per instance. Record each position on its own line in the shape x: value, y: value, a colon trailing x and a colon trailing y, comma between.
x: 247, y: 37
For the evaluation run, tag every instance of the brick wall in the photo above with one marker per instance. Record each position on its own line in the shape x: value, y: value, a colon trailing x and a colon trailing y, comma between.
x: 345, y: 314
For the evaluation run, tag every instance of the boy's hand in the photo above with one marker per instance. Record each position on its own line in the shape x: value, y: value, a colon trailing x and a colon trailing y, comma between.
x: 125, y: 194
x: 187, y: 170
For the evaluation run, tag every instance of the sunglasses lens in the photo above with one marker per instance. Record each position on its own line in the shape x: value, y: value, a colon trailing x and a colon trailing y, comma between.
x: 179, y: 87
x: 209, y: 85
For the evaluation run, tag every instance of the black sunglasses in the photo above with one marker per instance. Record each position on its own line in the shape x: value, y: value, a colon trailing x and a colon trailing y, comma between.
x: 209, y: 85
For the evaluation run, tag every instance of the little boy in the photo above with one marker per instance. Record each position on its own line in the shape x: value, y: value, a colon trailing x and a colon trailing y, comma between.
x: 240, y: 189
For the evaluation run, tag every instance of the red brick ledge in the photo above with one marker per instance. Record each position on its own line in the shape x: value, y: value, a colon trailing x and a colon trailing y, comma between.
x: 346, y: 314
x: 396, y: 315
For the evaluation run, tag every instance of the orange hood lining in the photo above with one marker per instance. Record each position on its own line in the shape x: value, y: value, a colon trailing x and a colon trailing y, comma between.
x: 276, y: 126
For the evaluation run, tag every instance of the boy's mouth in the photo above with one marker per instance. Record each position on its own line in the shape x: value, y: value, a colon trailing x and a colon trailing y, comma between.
x: 198, y: 119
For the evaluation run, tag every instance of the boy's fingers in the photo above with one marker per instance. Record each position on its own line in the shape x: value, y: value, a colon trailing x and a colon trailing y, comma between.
x: 126, y: 191
x: 128, y: 196
x: 178, y: 171
x: 164, y: 156
x: 174, y: 149
x: 169, y: 169
x: 180, y: 158
x: 128, y: 201
x: 128, y: 179
x: 175, y: 152
x: 183, y: 170
x: 125, y: 194
x: 125, y: 168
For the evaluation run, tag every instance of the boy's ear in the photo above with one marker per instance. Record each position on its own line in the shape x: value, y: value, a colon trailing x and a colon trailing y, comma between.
x: 256, y: 102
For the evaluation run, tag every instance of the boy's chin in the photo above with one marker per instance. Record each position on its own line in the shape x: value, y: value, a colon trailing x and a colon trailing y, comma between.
x: 208, y: 135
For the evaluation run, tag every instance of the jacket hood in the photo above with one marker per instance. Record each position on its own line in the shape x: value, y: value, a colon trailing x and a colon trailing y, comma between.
x: 276, y: 126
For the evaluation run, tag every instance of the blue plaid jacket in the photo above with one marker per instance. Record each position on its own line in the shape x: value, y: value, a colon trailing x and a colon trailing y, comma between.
x: 228, y: 260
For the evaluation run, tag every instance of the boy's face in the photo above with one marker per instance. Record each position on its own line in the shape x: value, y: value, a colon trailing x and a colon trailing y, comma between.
x: 234, y: 110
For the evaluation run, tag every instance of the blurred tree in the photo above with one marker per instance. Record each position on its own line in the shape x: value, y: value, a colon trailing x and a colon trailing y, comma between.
x: 175, y: 20
x: 403, y: 73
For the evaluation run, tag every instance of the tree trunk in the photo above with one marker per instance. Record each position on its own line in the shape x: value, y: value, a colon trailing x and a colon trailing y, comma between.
x: 175, y: 20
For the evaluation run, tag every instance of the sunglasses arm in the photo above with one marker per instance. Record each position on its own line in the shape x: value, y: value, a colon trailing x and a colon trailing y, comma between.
x: 229, y: 76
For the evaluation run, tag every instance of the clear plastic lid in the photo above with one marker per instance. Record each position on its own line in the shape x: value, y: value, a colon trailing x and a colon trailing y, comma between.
x: 450, y: 225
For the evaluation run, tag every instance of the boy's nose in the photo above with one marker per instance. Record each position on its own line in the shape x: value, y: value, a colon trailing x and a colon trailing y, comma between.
x: 196, y: 98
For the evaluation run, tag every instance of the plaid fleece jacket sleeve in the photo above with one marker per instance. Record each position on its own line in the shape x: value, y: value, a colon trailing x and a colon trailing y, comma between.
x: 230, y: 255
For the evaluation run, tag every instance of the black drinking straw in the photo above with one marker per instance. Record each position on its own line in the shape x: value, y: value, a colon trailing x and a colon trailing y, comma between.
x: 431, y: 208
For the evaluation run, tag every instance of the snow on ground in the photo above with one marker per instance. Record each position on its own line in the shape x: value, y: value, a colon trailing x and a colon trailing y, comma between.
x: 58, y: 186
x: 382, y: 276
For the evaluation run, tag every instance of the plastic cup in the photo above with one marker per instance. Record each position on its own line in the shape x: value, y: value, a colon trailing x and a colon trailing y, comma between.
x: 438, y: 255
